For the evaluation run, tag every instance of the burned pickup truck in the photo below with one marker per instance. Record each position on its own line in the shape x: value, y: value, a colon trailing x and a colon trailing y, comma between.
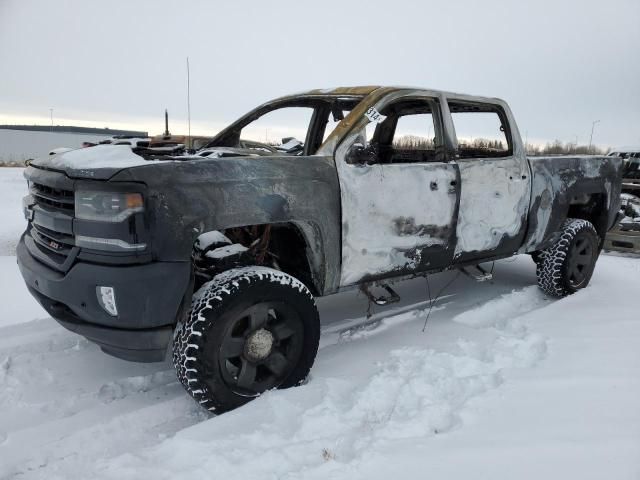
x: 220, y: 253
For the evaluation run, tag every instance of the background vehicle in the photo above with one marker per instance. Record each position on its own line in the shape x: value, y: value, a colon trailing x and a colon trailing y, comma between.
x: 625, y: 237
x: 630, y: 170
x: 383, y: 183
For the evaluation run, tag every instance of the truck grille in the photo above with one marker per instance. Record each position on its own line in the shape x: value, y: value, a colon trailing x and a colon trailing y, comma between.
x: 49, y: 197
x: 52, y: 241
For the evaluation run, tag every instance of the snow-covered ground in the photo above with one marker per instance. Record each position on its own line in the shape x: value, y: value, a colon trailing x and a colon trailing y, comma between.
x: 13, y: 187
x: 503, y: 383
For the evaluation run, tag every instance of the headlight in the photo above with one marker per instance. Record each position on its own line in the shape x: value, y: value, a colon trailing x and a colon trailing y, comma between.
x: 107, y: 206
x: 109, y: 244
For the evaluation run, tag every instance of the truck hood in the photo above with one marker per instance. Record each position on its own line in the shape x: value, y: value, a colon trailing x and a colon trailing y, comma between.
x: 100, y: 162
x: 104, y: 161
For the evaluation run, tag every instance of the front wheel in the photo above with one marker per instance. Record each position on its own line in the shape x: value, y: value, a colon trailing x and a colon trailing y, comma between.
x: 249, y: 330
x: 567, y: 266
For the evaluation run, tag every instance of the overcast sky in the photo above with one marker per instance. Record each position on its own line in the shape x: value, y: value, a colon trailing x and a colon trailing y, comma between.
x: 560, y: 65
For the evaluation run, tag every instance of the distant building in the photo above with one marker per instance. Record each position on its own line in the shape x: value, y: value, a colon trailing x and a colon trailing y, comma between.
x: 22, y: 142
x: 71, y: 129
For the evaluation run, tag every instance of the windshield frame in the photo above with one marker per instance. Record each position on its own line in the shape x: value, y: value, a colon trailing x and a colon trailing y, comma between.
x: 322, y: 105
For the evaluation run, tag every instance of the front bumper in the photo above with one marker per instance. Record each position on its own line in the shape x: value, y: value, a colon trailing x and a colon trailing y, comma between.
x: 148, y: 297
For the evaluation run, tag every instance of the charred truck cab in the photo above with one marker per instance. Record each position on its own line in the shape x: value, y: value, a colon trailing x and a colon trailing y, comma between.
x: 219, y: 254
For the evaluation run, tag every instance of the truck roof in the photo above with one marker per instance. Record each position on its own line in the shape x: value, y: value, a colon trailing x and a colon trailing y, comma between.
x: 364, y: 90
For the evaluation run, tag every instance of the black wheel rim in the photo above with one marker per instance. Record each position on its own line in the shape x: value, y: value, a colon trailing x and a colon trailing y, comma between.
x: 580, y: 261
x: 260, y: 348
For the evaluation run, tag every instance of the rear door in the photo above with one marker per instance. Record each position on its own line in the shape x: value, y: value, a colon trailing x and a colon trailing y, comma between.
x: 399, y: 200
x: 495, y: 181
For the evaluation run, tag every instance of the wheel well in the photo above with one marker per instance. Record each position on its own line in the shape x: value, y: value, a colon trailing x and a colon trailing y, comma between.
x: 288, y: 242
x: 591, y: 207
x: 282, y: 246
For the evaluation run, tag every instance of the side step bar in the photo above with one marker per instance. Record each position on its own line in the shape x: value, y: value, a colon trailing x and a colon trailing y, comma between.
x: 381, y: 300
x: 479, y: 274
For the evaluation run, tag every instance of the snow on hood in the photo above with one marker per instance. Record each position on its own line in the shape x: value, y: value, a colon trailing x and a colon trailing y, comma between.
x: 100, y: 156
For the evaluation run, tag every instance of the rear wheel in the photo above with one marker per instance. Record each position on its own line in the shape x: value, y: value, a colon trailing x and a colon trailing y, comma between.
x: 568, y: 265
x: 250, y: 330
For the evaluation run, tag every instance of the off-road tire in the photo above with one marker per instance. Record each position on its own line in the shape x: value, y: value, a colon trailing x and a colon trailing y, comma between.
x: 554, y: 269
x: 198, y: 354
x: 537, y: 256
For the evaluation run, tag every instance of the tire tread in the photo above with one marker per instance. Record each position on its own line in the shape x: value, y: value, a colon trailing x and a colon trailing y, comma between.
x: 190, y: 334
x: 550, y: 264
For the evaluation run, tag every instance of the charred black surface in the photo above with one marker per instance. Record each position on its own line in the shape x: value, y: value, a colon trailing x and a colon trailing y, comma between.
x: 589, y: 187
x: 190, y: 198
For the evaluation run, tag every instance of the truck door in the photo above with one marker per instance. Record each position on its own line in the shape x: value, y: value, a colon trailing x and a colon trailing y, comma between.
x: 399, y: 192
x: 495, y: 181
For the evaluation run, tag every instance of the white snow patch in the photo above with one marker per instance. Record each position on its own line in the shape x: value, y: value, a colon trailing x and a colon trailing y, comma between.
x: 121, y: 388
x: 207, y: 239
x: 100, y: 156
x: 226, y: 251
x: 499, y: 311
x: 379, y: 325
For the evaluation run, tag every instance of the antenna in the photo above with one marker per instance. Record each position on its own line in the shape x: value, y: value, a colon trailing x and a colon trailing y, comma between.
x: 188, y: 106
x: 166, y: 123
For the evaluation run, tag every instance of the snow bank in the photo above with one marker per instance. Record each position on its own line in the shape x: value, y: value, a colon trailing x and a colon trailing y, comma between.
x: 500, y: 312
x: 331, y: 425
x: 13, y: 187
x: 20, y: 306
x: 461, y: 400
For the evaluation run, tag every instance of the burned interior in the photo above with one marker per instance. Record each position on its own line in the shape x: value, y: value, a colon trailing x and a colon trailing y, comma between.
x: 325, y: 113
x: 411, y: 133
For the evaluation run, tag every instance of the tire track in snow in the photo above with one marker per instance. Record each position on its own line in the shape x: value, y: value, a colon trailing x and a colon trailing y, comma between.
x: 70, y: 403
x: 63, y: 452
x: 30, y: 365
x: 331, y: 425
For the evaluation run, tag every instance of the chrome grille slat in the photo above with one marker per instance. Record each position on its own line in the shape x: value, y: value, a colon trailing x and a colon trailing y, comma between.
x: 50, y: 197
